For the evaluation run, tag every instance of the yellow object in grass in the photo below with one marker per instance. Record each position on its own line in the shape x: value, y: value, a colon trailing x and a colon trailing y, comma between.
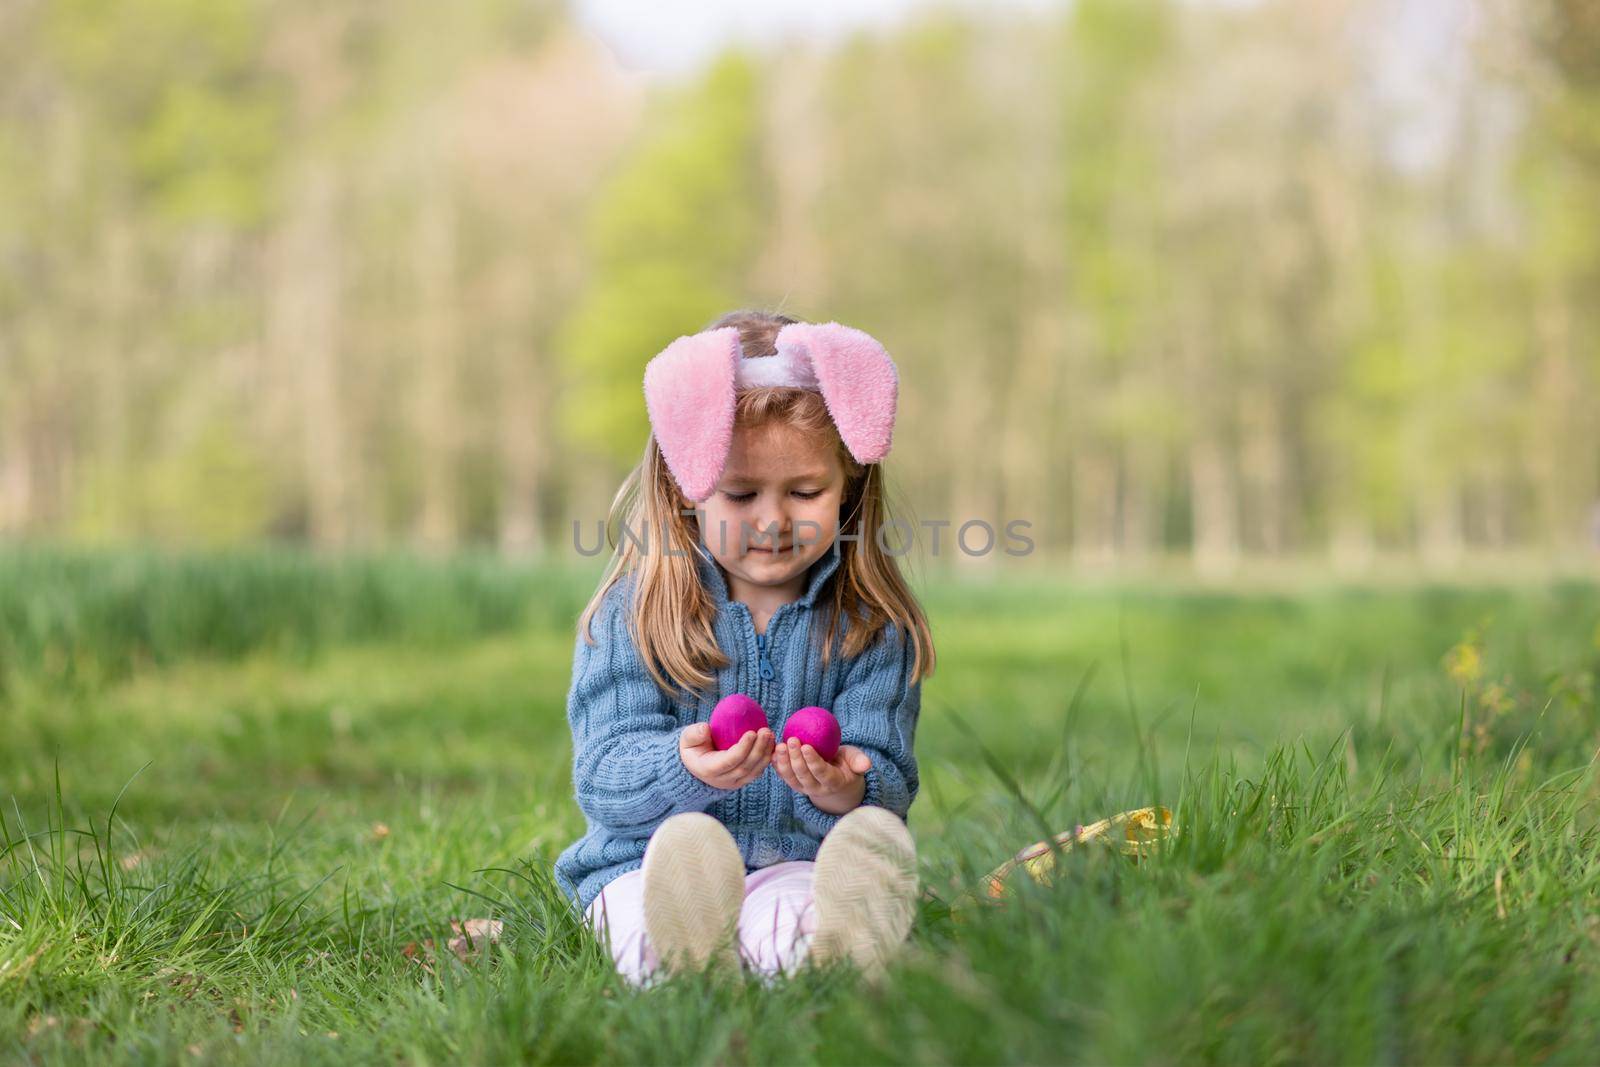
x: 1133, y: 833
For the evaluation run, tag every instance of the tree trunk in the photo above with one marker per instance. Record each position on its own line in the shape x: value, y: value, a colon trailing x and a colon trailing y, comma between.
x: 16, y: 477
x: 305, y: 334
x: 1214, y: 505
x: 523, y: 431
x: 1213, y: 485
x: 1268, y: 470
x: 1440, y: 525
x: 1094, y: 505
x: 437, y: 519
x: 1561, y: 465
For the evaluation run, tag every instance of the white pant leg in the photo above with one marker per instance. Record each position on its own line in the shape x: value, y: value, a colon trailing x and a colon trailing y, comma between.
x: 618, y: 911
x: 777, y: 919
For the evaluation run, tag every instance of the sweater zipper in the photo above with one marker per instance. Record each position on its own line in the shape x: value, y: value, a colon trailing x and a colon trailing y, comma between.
x: 767, y: 673
x: 763, y: 660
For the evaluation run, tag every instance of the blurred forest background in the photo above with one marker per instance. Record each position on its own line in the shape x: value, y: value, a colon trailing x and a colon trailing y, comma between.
x: 1162, y: 278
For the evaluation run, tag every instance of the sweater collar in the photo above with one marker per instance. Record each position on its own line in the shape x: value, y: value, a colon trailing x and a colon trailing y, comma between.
x: 816, y: 575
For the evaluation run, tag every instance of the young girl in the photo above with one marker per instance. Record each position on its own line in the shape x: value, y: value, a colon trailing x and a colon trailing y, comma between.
x: 751, y: 562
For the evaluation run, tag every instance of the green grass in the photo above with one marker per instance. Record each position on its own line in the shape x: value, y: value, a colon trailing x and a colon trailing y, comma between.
x: 235, y: 788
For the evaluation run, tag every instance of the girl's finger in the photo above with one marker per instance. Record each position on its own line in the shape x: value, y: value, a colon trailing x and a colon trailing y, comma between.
x: 728, y: 760
x: 821, y: 769
x: 756, y: 761
x: 796, y: 766
x: 697, y: 735
x: 780, y: 763
x: 802, y: 769
x: 858, y: 761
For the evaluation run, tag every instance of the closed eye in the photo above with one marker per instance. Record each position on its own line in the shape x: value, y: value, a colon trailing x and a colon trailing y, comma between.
x: 745, y: 498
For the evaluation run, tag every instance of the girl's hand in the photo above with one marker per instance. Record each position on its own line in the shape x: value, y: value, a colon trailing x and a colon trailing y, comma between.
x: 835, y: 787
x: 730, y: 768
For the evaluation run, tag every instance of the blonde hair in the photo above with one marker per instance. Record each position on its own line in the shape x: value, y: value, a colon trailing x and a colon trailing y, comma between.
x: 672, y: 611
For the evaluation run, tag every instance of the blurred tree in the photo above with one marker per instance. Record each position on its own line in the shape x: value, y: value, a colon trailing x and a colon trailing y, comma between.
x: 1560, y: 184
x: 927, y: 236
x: 672, y: 235
x: 1159, y: 276
x: 161, y: 132
x: 1114, y: 54
x: 535, y: 133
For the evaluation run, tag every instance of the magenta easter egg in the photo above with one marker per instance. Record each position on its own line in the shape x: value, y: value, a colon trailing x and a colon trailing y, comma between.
x: 734, y: 716
x: 816, y: 727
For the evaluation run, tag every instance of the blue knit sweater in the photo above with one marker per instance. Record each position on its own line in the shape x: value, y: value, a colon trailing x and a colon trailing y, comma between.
x: 626, y: 770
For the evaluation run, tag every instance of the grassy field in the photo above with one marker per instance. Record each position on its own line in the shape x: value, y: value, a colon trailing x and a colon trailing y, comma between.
x: 237, y: 789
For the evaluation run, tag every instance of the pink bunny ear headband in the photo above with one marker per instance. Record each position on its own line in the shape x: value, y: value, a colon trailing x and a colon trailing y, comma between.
x: 689, y: 391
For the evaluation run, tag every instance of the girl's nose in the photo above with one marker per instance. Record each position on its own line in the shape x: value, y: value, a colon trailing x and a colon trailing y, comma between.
x: 773, y: 523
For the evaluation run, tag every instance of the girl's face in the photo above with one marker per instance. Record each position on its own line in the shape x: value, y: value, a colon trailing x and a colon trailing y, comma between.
x: 776, y: 509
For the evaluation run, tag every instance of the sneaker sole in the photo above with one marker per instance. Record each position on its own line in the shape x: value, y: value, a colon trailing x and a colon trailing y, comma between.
x: 693, y: 890
x: 865, y: 891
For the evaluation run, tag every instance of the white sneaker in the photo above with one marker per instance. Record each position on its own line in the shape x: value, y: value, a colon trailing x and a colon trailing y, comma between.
x: 693, y: 891
x: 865, y: 893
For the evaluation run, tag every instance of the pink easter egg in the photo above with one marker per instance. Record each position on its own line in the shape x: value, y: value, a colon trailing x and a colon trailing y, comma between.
x: 735, y: 715
x: 816, y: 727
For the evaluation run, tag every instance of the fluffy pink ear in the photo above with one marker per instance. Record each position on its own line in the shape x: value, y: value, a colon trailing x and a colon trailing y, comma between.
x: 857, y: 380
x: 689, y: 394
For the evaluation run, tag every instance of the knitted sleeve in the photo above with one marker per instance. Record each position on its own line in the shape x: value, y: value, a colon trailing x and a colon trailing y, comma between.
x: 626, y: 770
x: 877, y: 709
